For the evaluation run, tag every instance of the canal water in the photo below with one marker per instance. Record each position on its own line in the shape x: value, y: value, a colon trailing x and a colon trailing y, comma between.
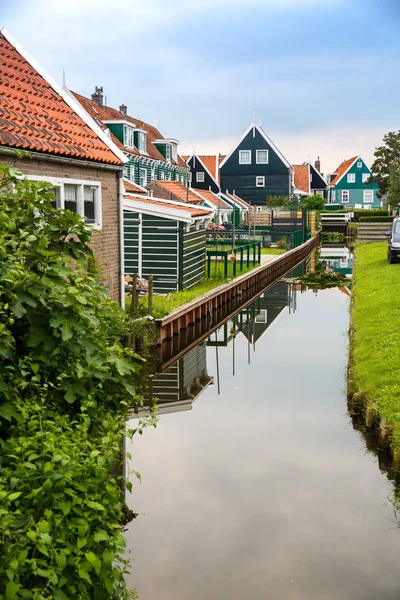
x: 254, y: 482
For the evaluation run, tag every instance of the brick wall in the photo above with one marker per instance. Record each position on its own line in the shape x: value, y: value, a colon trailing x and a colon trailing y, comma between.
x: 105, y: 243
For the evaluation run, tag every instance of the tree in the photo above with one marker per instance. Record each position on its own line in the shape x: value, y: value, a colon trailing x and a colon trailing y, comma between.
x: 385, y: 156
x: 66, y: 382
x: 316, y: 202
x: 278, y: 201
x: 393, y: 195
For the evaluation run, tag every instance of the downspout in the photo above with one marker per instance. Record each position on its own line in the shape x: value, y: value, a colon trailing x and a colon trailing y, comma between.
x: 121, y: 237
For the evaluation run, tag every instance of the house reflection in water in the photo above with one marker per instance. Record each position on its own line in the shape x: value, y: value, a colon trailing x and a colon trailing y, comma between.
x: 337, y: 258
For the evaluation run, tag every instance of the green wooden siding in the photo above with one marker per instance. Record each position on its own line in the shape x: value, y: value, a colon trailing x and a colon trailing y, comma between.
x: 118, y: 130
x: 160, y: 171
x: 193, y: 256
x: 131, y: 243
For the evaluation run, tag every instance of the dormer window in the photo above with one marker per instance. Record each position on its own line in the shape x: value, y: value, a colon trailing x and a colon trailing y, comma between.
x: 128, y: 137
x: 141, y: 141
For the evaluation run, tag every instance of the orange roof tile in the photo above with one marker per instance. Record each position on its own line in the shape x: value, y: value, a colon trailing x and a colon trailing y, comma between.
x: 214, y: 200
x: 179, y: 190
x: 34, y: 117
x: 302, y: 178
x: 346, y: 164
x: 194, y: 211
x: 132, y: 188
x: 106, y: 113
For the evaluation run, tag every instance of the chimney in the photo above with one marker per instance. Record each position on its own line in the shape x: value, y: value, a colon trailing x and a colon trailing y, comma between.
x: 317, y: 165
x: 98, y: 96
x: 123, y: 109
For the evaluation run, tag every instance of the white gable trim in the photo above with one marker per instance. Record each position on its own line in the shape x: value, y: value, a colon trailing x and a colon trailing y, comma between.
x: 169, y: 204
x: 261, y: 131
x: 348, y: 169
x: 68, y: 99
x: 217, y: 201
x: 196, y: 157
x: 316, y: 170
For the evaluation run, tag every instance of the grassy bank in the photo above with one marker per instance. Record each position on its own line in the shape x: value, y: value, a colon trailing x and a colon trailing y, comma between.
x: 163, y: 305
x: 375, y: 347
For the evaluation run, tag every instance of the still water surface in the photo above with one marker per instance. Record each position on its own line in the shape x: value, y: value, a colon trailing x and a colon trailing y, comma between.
x: 264, y: 490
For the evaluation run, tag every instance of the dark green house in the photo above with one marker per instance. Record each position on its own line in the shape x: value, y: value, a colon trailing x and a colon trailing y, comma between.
x: 166, y: 239
x: 151, y: 155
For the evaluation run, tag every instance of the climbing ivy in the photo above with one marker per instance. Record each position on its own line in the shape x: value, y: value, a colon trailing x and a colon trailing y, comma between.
x: 66, y: 382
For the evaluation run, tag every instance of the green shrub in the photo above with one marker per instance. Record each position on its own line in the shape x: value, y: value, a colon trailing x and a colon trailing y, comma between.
x: 66, y: 381
x: 378, y: 212
x: 333, y: 237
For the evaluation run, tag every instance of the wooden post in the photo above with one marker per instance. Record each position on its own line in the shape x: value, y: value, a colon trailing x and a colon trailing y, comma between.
x: 150, y: 296
x: 225, y: 265
x: 134, y: 295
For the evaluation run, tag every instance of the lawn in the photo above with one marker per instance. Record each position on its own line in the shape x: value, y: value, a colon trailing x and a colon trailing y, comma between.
x: 376, y: 325
x: 272, y: 251
x: 163, y: 305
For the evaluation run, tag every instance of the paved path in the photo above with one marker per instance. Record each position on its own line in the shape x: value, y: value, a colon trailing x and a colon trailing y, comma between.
x: 269, y: 258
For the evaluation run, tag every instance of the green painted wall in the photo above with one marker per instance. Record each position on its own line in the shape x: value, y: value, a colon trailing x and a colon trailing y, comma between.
x: 118, y: 130
x: 160, y: 172
x: 193, y: 256
x: 356, y: 189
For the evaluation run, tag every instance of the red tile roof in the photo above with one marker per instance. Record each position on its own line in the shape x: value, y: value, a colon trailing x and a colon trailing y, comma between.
x: 177, y: 189
x: 215, y: 201
x: 238, y: 201
x: 193, y: 210
x: 111, y: 114
x: 302, y: 178
x: 346, y: 164
x: 132, y: 188
x: 212, y: 162
x: 34, y: 117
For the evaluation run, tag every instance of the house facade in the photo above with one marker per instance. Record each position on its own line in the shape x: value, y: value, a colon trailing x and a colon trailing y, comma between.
x: 204, y: 171
x: 150, y: 155
x: 318, y: 184
x: 350, y: 186
x: 256, y: 169
x: 166, y: 239
x: 67, y: 149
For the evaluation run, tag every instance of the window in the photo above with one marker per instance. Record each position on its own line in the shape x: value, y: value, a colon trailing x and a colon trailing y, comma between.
x: 351, y: 178
x: 359, y: 165
x: 245, y: 157
x: 143, y: 177
x: 128, y: 137
x: 82, y: 197
x: 162, y: 176
x: 168, y: 152
x: 142, y: 142
x: 132, y: 178
x: 89, y: 200
x: 200, y: 176
x: 365, y: 177
x: 71, y: 197
x: 368, y: 196
x: 333, y: 196
x: 260, y: 181
x: 345, y: 196
x: 262, y: 157
x: 153, y: 173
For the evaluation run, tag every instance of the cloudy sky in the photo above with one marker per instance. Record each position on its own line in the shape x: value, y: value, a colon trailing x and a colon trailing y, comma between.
x: 322, y: 75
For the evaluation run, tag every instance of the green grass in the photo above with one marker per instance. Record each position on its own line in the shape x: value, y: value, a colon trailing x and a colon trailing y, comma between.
x: 272, y: 251
x: 163, y: 305
x: 375, y: 348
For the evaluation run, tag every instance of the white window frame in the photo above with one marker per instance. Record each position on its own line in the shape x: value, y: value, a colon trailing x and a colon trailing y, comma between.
x: 153, y: 173
x: 141, y: 175
x: 365, y: 177
x: 168, y: 152
x: 59, y: 182
x: 141, y: 141
x: 262, y: 184
x: 348, y: 196
x: 241, y: 153
x: 359, y: 164
x: 162, y: 175
x: 132, y: 177
x: 129, y: 138
x: 262, y: 162
x: 351, y: 177
x: 369, y: 193
x: 200, y: 177
x: 333, y: 196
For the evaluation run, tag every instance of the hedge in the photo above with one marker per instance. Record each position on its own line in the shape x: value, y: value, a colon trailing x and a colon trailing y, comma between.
x: 386, y: 219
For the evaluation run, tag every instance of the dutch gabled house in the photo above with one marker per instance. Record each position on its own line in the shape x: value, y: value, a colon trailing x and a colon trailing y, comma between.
x: 204, y: 170
x: 150, y: 155
x: 66, y: 148
x: 308, y: 179
x: 351, y: 185
x: 318, y: 184
x: 255, y: 169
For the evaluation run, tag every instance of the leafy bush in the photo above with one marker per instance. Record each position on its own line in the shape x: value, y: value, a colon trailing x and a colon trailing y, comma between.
x: 333, y: 237
x: 66, y: 381
x: 359, y: 212
x: 315, y: 202
x: 379, y: 219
